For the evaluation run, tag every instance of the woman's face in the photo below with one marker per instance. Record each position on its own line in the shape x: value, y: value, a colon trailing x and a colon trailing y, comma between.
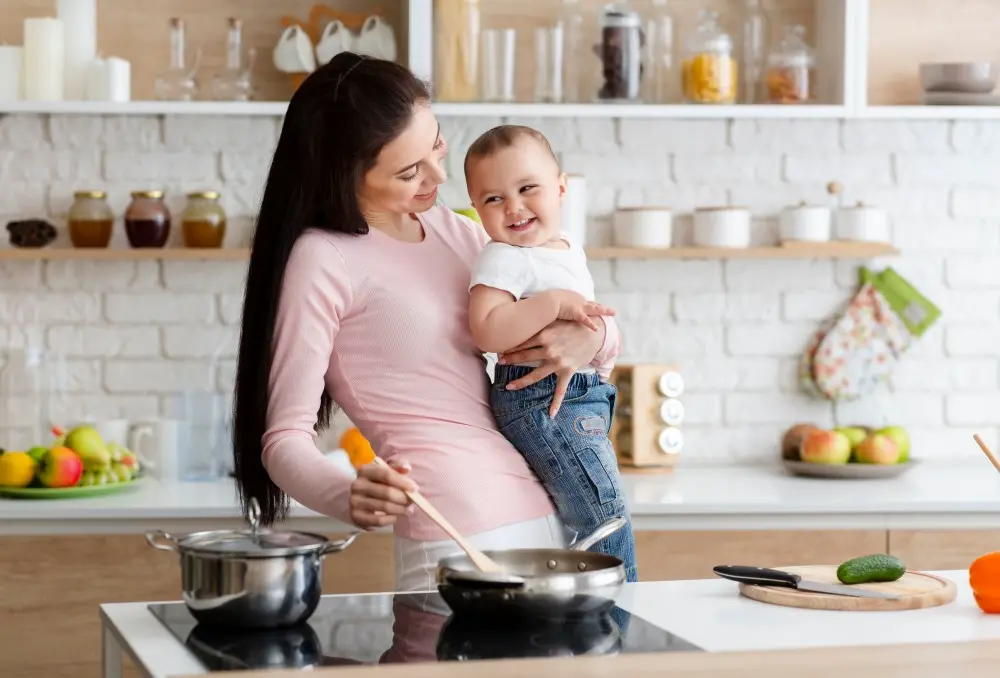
x: 408, y: 170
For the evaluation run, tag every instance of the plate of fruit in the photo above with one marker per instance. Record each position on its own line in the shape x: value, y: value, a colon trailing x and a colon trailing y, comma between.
x: 846, y: 451
x: 78, y: 463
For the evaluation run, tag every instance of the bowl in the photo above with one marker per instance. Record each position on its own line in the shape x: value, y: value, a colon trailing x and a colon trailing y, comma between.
x: 972, y: 77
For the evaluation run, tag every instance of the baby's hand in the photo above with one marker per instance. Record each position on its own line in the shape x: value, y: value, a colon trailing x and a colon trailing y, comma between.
x: 573, y: 306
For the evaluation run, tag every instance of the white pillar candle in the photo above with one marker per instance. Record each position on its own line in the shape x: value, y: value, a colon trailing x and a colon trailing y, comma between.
x: 10, y: 73
x: 80, y: 19
x: 119, y: 79
x: 574, y: 209
x: 44, y: 60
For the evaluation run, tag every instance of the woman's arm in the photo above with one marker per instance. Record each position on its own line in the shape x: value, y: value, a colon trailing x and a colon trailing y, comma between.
x: 315, y: 293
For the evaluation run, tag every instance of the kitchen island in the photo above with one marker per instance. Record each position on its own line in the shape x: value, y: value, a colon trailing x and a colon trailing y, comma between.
x: 702, y: 617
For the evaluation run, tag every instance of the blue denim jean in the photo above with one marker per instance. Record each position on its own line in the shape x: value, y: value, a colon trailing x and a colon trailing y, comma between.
x: 571, y: 454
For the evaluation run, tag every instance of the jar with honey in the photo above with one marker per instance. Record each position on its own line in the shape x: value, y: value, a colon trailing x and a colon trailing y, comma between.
x: 147, y: 220
x: 91, y: 220
x: 203, y: 221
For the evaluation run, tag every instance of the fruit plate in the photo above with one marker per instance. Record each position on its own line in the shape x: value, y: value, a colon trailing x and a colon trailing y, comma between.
x: 846, y: 471
x: 77, y: 492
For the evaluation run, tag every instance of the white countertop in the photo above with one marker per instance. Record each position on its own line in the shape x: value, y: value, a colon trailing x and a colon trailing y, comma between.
x: 708, y: 613
x: 963, y: 495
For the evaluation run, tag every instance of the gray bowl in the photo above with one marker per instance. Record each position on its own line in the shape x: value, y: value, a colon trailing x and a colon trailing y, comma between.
x: 972, y: 77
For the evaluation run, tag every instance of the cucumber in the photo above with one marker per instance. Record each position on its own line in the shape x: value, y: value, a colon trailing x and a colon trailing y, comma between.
x: 878, y: 567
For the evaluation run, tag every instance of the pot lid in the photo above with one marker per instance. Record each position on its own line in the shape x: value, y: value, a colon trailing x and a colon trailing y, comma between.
x: 255, y: 542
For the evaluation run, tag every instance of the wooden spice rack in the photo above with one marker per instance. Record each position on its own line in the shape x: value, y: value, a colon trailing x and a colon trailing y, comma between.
x: 638, y: 424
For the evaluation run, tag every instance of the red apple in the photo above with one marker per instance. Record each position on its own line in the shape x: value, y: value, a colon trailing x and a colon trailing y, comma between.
x: 825, y: 447
x: 878, y: 449
x: 60, y: 467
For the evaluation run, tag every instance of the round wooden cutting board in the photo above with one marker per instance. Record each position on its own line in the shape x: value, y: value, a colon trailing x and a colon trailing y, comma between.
x: 915, y: 590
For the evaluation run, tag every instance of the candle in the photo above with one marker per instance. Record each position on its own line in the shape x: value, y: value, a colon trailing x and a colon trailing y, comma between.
x: 10, y: 73
x: 44, y: 60
x: 574, y: 209
x: 80, y: 19
x: 109, y: 80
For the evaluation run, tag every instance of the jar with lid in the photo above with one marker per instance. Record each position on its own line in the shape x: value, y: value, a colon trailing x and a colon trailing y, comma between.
x: 789, y: 69
x: 457, y: 29
x: 620, y: 51
x: 91, y: 220
x: 203, y: 221
x: 147, y: 219
x: 709, y: 72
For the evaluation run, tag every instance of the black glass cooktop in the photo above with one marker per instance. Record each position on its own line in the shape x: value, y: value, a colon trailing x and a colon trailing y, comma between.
x: 411, y: 627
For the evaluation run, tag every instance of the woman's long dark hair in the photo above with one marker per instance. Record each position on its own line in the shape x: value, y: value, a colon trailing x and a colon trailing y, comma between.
x: 335, y: 126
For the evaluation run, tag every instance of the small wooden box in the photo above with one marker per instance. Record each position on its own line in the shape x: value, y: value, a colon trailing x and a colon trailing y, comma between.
x: 645, y: 431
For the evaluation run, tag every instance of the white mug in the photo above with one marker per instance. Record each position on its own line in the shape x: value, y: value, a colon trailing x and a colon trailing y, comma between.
x: 650, y: 227
x: 376, y: 39
x: 294, y: 52
x: 336, y: 38
x: 157, y: 444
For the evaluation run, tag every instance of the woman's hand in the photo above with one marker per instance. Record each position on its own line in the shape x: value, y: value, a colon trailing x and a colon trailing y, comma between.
x: 563, y: 348
x: 377, y: 494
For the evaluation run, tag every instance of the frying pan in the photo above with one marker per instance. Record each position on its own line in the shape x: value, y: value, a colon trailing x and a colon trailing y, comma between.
x: 537, y: 583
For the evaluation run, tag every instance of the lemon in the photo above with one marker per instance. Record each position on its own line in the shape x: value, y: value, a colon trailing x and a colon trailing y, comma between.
x: 17, y: 469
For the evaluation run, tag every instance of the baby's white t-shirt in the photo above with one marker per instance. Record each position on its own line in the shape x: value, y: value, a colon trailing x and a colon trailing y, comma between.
x: 528, y: 271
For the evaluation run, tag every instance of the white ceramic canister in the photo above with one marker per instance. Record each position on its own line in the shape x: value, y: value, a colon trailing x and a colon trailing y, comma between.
x: 862, y: 223
x: 804, y: 223
x: 650, y: 227
x: 722, y: 227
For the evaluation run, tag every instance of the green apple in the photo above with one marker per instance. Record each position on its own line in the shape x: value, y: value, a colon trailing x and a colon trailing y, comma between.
x: 469, y: 212
x: 855, y: 434
x: 37, y: 453
x: 901, y: 438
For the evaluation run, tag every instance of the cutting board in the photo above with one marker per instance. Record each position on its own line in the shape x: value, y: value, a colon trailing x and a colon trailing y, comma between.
x: 915, y: 590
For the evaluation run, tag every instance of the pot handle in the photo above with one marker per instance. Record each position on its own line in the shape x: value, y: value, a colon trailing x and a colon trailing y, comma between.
x: 605, y: 530
x: 338, y: 546
x: 153, y: 537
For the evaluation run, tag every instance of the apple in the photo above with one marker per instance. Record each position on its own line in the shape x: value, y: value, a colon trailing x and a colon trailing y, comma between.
x: 469, y: 212
x: 854, y: 433
x: 825, y: 447
x: 901, y: 438
x: 878, y: 449
x: 60, y: 467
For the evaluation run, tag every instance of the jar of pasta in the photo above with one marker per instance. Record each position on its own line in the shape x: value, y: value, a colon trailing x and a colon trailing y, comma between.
x: 789, y: 69
x: 203, y: 221
x: 709, y: 73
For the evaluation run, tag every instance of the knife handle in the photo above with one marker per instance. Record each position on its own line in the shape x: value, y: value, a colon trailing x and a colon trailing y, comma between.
x: 761, y: 576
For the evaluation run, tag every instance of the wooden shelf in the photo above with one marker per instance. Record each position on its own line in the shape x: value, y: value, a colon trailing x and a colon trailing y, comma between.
x: 831, y: 250
x: 139, y: 254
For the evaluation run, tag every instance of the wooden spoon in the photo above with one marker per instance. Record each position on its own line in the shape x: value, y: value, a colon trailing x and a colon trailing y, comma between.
x: 986, y: 451
x: 478, y: 558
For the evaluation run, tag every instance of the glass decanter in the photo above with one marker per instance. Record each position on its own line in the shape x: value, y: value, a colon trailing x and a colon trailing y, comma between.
x: 178, y: 83
x: 235, y: 82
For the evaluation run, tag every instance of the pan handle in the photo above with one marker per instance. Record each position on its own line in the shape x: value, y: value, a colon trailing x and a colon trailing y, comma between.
x: 337, y: 546
x: 605, y: 530
x: 153, y: 539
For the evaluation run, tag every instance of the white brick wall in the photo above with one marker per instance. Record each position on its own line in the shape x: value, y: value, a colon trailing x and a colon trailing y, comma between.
x: 132, y: 333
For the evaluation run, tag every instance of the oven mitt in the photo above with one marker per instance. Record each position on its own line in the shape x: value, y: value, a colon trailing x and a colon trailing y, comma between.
x: 857, y: 351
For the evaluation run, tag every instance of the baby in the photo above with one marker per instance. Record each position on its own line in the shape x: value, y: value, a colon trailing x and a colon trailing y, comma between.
x: 527, y: 277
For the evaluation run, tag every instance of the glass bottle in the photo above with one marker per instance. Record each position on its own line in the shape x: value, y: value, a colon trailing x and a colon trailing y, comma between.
x: 620, y: 50
x: 203, y: 221
x: 234, y: 83
x: 789, y: 69
x: 90, y: 219
x: 177, y: 83
x: 147, y: 220
x: 709, y: 72
x: 754, y: 50
x: 27, y: 380
x: 456, y: 50
x: 570, y: 18
x: 658, y: 74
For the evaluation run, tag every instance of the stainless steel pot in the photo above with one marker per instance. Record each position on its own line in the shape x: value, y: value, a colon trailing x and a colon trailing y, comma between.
x: 250, y: 579
x: 546, y: 583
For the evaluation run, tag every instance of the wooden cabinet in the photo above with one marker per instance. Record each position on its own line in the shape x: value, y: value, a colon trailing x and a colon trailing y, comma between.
x: 942, y: 549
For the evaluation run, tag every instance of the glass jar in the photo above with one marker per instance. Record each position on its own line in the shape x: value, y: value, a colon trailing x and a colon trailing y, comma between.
x: 147, y: 220
x: 709, y: 73
x: 789, y: 69
x: 456, y: 50
x: 620, y: 51
x: 91, y: 220
x: 203, y: 221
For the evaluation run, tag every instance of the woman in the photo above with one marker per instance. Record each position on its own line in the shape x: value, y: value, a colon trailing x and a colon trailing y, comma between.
x: 356, y: 294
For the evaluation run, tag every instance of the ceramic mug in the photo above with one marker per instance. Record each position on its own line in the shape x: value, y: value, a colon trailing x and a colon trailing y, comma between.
x: 157, y: 443
x: 376, y: 39
x: 336, y: 38
x: 294, y: 52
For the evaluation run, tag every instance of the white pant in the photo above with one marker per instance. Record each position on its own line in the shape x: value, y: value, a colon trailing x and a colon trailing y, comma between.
x: 416, y: 561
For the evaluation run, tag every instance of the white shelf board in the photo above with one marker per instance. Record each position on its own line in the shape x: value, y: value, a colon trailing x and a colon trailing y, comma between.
x: 146, y: 107
x: 932, y: 112
x: 597, y: 110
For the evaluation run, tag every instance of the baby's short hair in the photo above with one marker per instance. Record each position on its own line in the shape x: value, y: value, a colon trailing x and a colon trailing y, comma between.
x: 503, y: 136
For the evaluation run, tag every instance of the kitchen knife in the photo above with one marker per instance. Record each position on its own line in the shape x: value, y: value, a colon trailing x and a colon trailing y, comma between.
x: 762, y: 576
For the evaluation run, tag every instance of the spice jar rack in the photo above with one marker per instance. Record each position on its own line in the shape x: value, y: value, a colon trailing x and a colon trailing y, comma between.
x: 646, y: 428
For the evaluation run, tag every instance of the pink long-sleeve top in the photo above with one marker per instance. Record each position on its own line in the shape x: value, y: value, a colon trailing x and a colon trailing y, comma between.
x: 383, y: 325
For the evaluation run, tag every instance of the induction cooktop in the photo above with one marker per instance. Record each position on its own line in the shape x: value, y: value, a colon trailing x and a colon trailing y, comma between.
x: 407, y: 627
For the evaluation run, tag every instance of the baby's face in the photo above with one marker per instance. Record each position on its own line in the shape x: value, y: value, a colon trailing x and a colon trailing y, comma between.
x: 518, y: 192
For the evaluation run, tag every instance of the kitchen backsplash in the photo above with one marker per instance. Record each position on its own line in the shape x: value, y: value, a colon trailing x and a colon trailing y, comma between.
x: 134, y: 332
